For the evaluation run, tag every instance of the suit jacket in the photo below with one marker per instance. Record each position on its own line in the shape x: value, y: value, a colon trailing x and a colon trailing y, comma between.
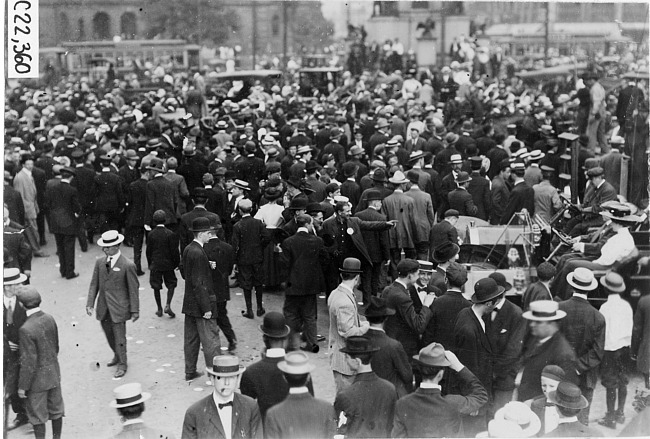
x: 584, y: 329
x: 406, y: 324
x: 319, y: 189
x: 110, y: 194
x: 161, y: 195
x: 411, y: 146
x: 14, y: 203
x: 223, y: 255
x: 186, y: 235
x: 84, y: 181
x: 141, y: 431
x: 426, y: 413
x: 574, y: 429
x: 462, y: 201
x: 506, y: 335
x: 445, y: 310
x: 249, y: 237
x: 115, y: 289
x: 304, y: 255
x: 162, y: 249
x: 137, y: 198
x: 202, y: 419
x: 331, y: 233
x: 182, y: 193
x: 376, y: 241
x: 351, y: 190
x: 500, y: 195
x: 128, y: 175
x: 369, y: 406
x: 594, y: 197
x: 447, y: 185
x: 199, y: 290
x: 535, y: 291
x: 443, y: 232
x: 11, y: 359
x: 391, y: 362
x: 521, y: 196
x: 18, y: 249
x: 479, y: 189
x: 300, y: 416
x: 640, y: 343
x: 473, y: 347
x: 62, y: 204
x: 217, y: 200
x: 39, y: 348
x: 401, y: 207
x: 25, y: 185
x: 535, y: 357
x: 423, y: 212
x: 344, y: 323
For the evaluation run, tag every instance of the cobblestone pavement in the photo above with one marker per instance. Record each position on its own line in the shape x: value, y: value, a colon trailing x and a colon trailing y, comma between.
x: 155, y: 352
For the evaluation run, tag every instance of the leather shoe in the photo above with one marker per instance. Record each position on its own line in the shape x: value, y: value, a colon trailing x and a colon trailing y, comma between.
x: 113, y: 362
x: 159, y: 313
x: 620, y: 417
x: 72, y: 276
x: 313, y: 348
x: 139, y: 272
x: 232, y: 346
x: 120, y: 373
x: 260, y: 312
x: 192, y: 376
x: 20, y: 420
x: 169, y: 312
x: 248, y: 314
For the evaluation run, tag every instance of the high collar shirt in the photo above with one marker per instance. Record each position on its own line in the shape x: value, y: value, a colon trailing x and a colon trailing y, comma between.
x: 618, y: 322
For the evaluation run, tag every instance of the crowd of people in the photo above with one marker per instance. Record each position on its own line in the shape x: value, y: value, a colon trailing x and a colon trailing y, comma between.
x: 276, y: 192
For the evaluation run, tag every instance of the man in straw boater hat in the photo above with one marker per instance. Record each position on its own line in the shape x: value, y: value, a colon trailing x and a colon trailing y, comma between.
x: 129, y: 403
x: 224, y: 414
x: 584, y: 329
x: 426, y: 412
x: 547, y: 345
x: 13, y: 317
x: 367, y: 407
x: 39, y: 381
x: 515, y: 419
x: 199, y: 302
x: 114, y: 288
x: 570, y: 402
x: 618, y: 336
x: 300, y: 415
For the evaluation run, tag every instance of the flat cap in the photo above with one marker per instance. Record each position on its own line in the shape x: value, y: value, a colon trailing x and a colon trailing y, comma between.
x: 406, y: 266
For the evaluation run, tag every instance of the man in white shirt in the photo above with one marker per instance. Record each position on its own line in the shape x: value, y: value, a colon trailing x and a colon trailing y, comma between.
x: 618, y: 337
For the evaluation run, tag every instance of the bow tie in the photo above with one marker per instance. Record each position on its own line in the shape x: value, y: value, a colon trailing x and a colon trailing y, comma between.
x: 225, y: 404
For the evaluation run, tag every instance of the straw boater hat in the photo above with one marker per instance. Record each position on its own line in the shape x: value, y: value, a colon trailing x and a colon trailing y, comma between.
x: 519, y: 413
x: 110, y: 238
x: 128, y: 395
x: 582, y: 279
x: 296, y: 363
x: 544, y: 311
x: 613, y: 282
x: 225, y: 366
x: 13, y: 276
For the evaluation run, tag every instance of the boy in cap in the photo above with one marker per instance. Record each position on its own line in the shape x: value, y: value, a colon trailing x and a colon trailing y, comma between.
x: 129, y: 402
x: 300, y: 415
x: 224, y: 410
x: 426, y: 412
x: 39, y: 381
x: 551, y: 377
x: 618, y: 336
x: 367, y: 407
x: 163, y: 258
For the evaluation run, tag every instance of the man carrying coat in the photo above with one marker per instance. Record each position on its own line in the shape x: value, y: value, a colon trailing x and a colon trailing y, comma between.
x: 114, y: 287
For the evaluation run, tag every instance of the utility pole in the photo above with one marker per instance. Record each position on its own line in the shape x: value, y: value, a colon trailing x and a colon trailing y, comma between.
x: 285, y: 25
x: 254, y: 10
x: 547, y: 24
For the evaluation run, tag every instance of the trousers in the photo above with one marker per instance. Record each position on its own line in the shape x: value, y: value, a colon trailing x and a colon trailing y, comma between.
x: 300, y: 314
x: 65, y: 248
x: 224, y: 322
x: 200, y: 332
x: 116, y: 337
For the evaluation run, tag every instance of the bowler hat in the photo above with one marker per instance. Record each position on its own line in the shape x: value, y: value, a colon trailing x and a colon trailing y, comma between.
x: 156, y: 164
x: 311, y: 166
x: 379, y: 175
x: 613, y: 282
x: 568, y: 395
x: 298, y: 203
x: 351, y: 265
x: 313, y: 208
x: 500, y: 279
x: 358, y: 345
x: 274, y: 325
x: 272, y: 193
x: 110, y: 238
x: 13, y: 276
x: 377, y: 308
x: 544, y: 311
x: 486, y: 289
x: 128, y: 395
x: 225, y: 366
x: 335, y: 132
x: 200, y: 224
x: 407, y: 266
x: 68, y: 170
x: 296, y: 363
x: 432, y: 355
x: 582, y: 279
x: 373, y: 195
x: 445, y: 251
x: 349, y: 169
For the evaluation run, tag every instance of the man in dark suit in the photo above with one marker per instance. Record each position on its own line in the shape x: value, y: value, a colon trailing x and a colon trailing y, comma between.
x: 500, y: 192
x: 628, y: 101
x: 222, y: 256
x: 521, y: 197
x: 598, y: 192
x: 474, y: 348
x: 137, y: 198
x: 377, y: 245
x: 129, y: 402
x: 40, y: 376
x: 423, y: 213
x: 546, y: 345
x: 406, y: 325
x: 445, y: 230
x: 426, y: 412
x: 400, y: 208
x: 224, y: 409
x: 540, y: 290
x: 300, y: 415
x: 367, y: 406
x: 390, y: 362
x: 505, y: 329
x: 163, y: 258
x: 479, y: 189
x: 249, y: 238
x: 184, y: 233
x: 584, y: 329
x: 114, y: 286
x: 110, y: 199
x: 251, y: 169
x: 199, y: 302
x: 84, y: 182
x: 18, y: 252
x: 64, y: 208
x: 343, y: 239
x: 13, y: 317
x: 161, y: 195
x: 460, y: 199
x: 569, y: 401
x: 304, y: 255
x: 350, y: 188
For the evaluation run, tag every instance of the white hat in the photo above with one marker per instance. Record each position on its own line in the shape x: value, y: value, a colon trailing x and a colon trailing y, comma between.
x: 110, y: 238
x: 582, y: 279
x: 13, y: 276
x: 128, y: 395
x: 544, y: 311
x: 522, y: 416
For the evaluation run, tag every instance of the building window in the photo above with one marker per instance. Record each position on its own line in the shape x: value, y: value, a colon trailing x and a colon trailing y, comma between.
x: 635, y: 12
x: 419, y: 5
x: 64, y: 27
x: 101, y: 26
x: 568, y: 12
x: 128, y: 25
x: 275, y: 25
x: 602, y: 12
x: 385, y: 9
x: 81, y: 29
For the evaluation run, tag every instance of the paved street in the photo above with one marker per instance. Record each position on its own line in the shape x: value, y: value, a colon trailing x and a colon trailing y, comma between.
x: 155, y: 349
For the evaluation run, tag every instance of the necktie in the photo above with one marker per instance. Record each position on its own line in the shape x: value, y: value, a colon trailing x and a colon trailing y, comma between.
x: 10, y: 314
x: 225, y: 404
x: 495, y: 311
x: 108, y: 264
